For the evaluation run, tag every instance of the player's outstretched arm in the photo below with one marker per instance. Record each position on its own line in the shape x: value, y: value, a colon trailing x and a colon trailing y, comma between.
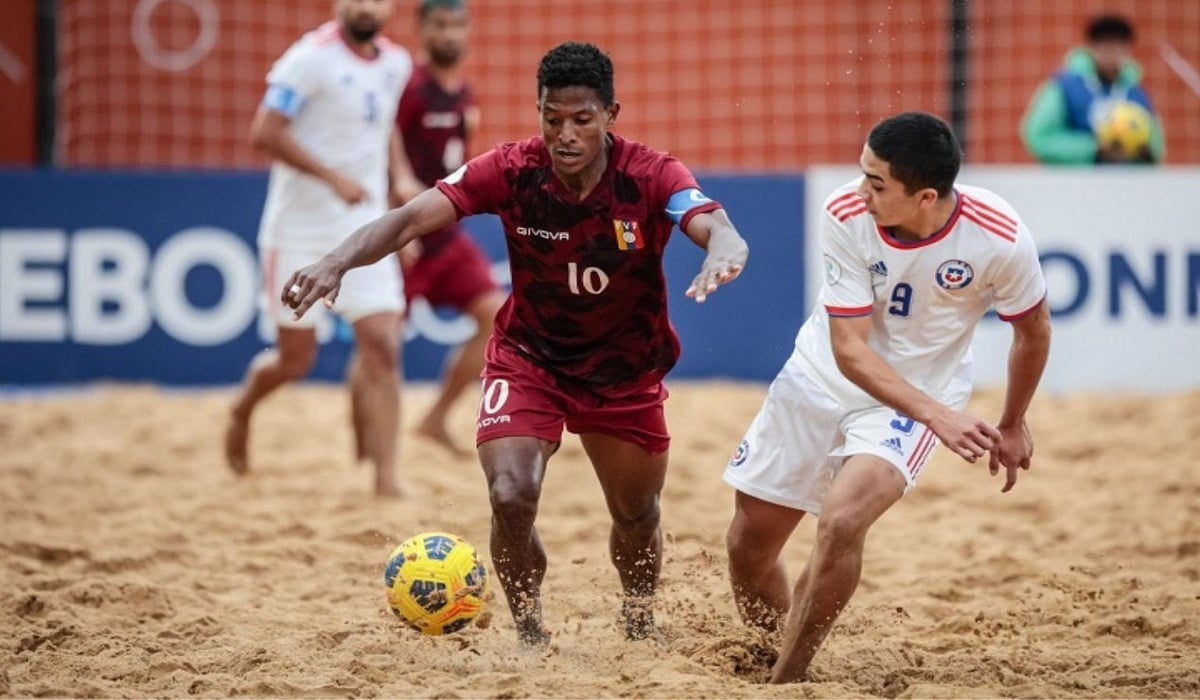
x: 969, y: 437
x: 1026, y: 361
x: 427, y: 212
x: 727, y: 252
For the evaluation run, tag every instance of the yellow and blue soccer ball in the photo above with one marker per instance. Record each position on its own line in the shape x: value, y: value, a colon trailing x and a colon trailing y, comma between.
x: 435, y: 582
x: 1127, y: 126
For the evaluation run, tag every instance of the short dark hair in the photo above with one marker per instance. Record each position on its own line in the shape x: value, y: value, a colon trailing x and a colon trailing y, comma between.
x: 575, y: 64
x: 1109, y: 28
x: 427, y: 6
x: 920, y: 150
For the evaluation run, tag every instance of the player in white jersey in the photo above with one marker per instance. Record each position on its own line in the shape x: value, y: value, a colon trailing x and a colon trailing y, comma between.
x: 880, y: 373
x: 327, y: 120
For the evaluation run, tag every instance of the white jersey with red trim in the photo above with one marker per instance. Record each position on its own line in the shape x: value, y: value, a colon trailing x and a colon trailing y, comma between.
x: 924, y: 297
x: 342, y: 108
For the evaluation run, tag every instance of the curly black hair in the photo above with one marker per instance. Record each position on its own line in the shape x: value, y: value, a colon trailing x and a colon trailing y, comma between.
x: 575, y: 64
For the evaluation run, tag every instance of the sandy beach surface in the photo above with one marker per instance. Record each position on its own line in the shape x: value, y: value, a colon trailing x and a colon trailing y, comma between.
x: 134, y: 564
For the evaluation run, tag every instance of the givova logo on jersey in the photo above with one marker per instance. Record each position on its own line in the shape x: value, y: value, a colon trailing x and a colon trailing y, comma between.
x: 954, y: 274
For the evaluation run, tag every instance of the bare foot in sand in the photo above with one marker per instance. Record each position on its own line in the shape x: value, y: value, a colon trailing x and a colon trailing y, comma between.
x: 436, y: 431
x: 638, y: 617
x: 237, y: 434
x: 388, y: 489
x: 532, y: 635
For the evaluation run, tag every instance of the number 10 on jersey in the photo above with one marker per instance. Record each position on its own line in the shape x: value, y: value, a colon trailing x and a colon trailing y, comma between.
x: 591, y: 279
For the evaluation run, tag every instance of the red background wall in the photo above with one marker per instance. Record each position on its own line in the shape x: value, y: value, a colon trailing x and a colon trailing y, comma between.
x: 753, y: 85
x: 18, y: 83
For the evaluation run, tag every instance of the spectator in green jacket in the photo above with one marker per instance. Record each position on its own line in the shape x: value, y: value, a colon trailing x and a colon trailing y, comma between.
x: 1060, y: 124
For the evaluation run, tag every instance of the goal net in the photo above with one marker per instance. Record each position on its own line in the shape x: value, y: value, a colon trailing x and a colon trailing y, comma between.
x: 752, y: 85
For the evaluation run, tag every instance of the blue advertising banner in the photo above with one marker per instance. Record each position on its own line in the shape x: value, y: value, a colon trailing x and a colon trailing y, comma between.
x: 154, y: 277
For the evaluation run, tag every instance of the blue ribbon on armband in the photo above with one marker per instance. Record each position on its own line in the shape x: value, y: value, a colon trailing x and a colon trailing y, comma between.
x: 283, y: 99
x: 683, y: 201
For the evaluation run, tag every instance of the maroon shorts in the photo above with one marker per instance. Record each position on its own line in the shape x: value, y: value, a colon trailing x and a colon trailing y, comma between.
x: 522, y: 399
x: 455, y: 275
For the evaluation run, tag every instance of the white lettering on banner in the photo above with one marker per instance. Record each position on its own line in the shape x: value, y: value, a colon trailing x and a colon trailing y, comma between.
x: 204, y: 246
x: 116, y: 290
x: 21, y: 284
x: 108, y: 273
x: 1156, y: 284
x: 423, y: 320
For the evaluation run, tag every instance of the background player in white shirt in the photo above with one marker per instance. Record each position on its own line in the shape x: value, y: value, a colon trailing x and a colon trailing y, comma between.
x: 880, y: 373
x: 327, y: 120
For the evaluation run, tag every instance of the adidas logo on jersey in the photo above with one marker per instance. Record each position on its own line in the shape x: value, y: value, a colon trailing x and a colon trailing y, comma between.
x: 895, y: 444
x: 879, y: 267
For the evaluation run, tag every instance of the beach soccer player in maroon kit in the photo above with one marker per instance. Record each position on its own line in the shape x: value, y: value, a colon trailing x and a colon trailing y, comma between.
x: 436, y: 119
x: 584, y: 341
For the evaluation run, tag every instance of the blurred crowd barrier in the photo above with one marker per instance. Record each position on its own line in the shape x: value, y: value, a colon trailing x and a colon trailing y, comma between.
x: 753, y: 85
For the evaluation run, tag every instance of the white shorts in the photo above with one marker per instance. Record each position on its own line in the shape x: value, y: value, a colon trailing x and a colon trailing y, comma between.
x: 376, y: 288
x: 801, y: 436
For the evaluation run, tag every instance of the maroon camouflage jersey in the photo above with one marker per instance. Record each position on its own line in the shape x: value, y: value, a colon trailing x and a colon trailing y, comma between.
x: 589, y: 299
x: 432, y: 123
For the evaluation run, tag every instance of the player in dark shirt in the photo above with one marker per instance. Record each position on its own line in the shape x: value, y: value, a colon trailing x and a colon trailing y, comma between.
x: 584, y: 340
x: 436, y: 118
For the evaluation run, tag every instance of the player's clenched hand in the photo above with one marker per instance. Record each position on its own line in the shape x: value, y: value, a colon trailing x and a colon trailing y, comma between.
x: 967, y: 436
x: 1014, y: 451
x: 717, y: 269
x: 307, y: 286
x: 405, y: 189
x: 350, y: 191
